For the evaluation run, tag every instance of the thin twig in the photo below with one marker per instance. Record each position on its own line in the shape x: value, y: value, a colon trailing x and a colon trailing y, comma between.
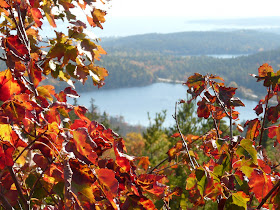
x: 182, y: 137
x: 166, y: 167
x: 215, y: 124
x: 49, y: 193
x: 38, y: 179
x: 264, y: 117
x: 161, y: 162
x: 30, y: 144
x: 268, y: 194
x: 19, y: 190
x: 220, y: 102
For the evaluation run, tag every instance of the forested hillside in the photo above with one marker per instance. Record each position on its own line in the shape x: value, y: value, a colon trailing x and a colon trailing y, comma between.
x: 128, y: 70
x: 196, y: 43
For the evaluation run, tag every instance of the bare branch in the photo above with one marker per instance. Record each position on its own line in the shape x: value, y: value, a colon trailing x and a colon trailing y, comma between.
x: 264, y: 116
x: 182, y: 137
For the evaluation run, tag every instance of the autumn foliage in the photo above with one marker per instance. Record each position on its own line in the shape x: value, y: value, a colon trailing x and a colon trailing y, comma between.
x: 47, y: 160
x: 50, y: 161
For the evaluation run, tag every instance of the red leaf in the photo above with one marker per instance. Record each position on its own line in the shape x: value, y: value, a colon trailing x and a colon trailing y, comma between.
x: 273, y: 113
x: 36, y: 73
x: 82, y: 174
x: 175, y: 150
x: 264, y: 166
x: 71, y: 93
x: 274, y: 131
x: 258, y: 109
x: 13, y: 44
x: 260, y: 183
x: 175, y: 135
x: 203, y: 109
x: 6, y: 154
x: 226, y: 94
x: 196, y: 84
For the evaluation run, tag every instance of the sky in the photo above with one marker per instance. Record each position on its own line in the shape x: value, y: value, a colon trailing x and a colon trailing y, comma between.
x: 195, y: 8
x: 129, y: 17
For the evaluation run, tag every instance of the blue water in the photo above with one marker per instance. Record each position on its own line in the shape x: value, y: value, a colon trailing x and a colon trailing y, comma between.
x: 134, y: 103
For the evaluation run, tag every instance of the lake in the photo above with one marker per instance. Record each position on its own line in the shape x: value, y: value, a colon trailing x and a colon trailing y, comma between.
x: 134, y: 103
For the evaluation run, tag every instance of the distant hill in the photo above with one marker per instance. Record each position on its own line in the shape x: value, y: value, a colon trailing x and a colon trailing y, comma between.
x: 196, y: 43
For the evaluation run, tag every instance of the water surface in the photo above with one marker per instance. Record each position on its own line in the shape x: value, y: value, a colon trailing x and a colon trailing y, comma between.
x: 134, y: 103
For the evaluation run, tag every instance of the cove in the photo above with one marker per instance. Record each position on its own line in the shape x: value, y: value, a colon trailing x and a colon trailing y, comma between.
x: 134, y: 103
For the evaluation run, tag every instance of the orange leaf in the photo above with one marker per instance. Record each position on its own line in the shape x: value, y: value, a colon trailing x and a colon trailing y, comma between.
x: 4, y: 4
x: 144, y: 162
x: 80, y: 112
x: 84, y: 144
x: 264, y: 69
x: 260, y: 183
x: 36, y: 14
x: 109, y: 184
x: 8, y: 86
x: 253, y: 128
x: 51, y: 20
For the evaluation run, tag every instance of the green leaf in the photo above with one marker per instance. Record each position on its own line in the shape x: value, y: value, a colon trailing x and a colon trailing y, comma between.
x: 201, y: 179
x: 237, y: 200
x: 246, y: 149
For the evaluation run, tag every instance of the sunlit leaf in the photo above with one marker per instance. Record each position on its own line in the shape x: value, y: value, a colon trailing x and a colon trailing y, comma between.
x: 8, y: 85
x: 264, y: 69
x: 237, y: 200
